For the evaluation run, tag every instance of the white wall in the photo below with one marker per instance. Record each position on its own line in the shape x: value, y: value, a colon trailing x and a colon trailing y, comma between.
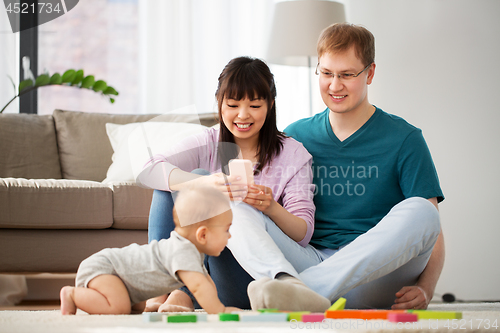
x: 438, y: 66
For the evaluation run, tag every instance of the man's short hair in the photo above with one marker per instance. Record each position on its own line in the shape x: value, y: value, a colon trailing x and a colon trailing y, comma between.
x: 198, y: 204
x: 340, y: 37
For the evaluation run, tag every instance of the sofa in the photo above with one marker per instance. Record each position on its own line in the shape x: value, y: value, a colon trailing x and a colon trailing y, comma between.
x: 58, y: 203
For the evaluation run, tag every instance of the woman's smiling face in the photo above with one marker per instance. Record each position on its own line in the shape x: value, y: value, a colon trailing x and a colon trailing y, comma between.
x: 244, y: 118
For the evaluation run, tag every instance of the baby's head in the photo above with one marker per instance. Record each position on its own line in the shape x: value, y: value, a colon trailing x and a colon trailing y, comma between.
x: 203, y: 215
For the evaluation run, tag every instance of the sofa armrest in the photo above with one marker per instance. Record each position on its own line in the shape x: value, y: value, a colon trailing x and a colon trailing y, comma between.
x: 55, y: 204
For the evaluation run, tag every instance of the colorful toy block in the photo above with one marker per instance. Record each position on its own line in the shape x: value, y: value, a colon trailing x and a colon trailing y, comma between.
x: 265, y: 317
x: 338, y: 305
x: 313, y: 317
x: 201, y: 317
x: 428, y: 314
x: 245, y: 315
x: 360, y: 314
x: 181, y: 318
x: 297, y: 315
x: 212, y: 318
x: 148, y: 317
x: 267, y: 310
x: 229, y: 317
x: 402, y: 317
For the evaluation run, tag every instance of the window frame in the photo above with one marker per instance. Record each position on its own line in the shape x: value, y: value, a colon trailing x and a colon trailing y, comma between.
x: 28, y: 46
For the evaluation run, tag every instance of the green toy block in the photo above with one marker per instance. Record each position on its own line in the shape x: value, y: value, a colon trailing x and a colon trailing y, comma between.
x: 229, y: 317
x: 182, y: 318
x: 428, y: 314
x: 267, y: 310
x: 297, y: 315
x: 338, y: 305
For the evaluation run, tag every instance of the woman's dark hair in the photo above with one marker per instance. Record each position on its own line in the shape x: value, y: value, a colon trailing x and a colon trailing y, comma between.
x: 251, y: 78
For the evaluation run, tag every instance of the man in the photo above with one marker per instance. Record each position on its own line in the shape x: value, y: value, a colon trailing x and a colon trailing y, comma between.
x: 377, y: 239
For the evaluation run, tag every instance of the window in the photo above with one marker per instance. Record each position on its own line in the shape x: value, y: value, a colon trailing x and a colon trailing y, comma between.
x: 161, y: 56
x: 9, y: 66
x: 100, y: 37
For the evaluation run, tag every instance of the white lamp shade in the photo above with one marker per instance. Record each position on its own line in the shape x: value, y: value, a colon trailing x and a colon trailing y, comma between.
x: 296, y: 28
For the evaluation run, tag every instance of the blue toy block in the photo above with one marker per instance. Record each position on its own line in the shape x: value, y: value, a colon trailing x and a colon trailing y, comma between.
x: 265, y: 317
x: 148, y: 317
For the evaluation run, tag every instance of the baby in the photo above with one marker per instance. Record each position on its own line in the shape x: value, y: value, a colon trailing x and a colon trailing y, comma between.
x: 120, y: 280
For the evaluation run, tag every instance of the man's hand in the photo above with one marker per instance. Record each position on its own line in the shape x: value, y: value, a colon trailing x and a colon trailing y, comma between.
x: 413, y: 297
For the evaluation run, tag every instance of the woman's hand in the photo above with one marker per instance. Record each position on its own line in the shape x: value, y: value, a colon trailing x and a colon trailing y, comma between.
x: 260, y: 197
x: 235, y: 192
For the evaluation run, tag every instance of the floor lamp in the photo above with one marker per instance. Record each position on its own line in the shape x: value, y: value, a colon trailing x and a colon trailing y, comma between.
x: 295, y: 31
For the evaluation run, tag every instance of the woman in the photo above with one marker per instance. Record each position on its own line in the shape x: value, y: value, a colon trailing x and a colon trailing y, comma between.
x: 279, y: 201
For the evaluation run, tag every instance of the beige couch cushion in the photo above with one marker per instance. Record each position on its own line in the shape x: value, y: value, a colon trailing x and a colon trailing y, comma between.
x: 131, y: 205
x: 55, y: 204
x: 58, y: 251
x: 28, y: 147
x: 84, y: 148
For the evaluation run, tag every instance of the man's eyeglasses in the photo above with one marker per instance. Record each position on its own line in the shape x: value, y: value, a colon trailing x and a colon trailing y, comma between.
x: 341, y: 76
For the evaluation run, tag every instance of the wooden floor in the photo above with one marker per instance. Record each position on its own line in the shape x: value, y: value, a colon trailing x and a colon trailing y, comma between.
x: 34, y: 306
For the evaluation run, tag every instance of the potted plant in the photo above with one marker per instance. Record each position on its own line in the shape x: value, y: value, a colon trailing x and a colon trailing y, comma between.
x: 70, y: 78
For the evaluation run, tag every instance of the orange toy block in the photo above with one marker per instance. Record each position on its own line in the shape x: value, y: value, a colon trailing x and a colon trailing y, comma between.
x: 361, y: 314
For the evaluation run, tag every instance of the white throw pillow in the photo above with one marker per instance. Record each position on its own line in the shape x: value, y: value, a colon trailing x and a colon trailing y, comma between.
x: 134, y: 144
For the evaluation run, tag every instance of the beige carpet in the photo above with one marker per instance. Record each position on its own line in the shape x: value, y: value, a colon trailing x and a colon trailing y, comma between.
x: 477, y: 317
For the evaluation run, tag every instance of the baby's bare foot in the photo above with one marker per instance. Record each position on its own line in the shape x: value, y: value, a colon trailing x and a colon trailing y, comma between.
x: 68, y: 306
x: 177, y: 301
x: 174, y: 308
x: 152, y: 307
x: 154, y: 303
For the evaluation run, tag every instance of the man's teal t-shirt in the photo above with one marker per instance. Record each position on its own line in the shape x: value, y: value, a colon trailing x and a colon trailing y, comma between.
x: 360, y: 179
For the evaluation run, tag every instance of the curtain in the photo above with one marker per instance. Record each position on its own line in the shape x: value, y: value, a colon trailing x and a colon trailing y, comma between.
x: 185, y: 44
x: 171, y: 64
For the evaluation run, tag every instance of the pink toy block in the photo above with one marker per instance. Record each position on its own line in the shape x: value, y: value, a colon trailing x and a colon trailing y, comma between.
x: 313, y: 317
x: 402, y: 317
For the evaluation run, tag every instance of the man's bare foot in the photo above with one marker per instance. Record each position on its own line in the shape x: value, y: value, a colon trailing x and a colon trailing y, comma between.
x: 68, y: 306
x: 177, y: 301
x: 154, y: 303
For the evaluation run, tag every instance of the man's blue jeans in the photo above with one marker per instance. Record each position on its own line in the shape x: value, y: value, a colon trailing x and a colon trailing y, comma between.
x: 230, y: 279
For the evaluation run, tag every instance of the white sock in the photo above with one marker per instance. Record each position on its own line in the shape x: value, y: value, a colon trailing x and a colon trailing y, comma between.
x: 285, y: 293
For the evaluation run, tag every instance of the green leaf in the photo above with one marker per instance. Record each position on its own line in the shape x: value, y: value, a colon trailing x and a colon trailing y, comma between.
x: 100, y: 86
x: 12, y: 81
x: 68, y: 76
x: 42, y: 80
x: 88, y: 82
x: 25, y: 84
x: 112, y: 100
x: 56, y: 79
x: 110, y: 91
x: 78, y: 78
